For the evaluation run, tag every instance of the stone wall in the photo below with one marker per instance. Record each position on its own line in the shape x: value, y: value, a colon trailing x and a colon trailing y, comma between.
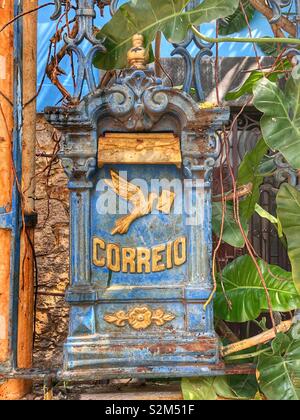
x: 52, y: 250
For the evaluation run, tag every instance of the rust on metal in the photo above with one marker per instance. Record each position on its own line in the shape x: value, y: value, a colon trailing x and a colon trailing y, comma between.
x: 139, y: 148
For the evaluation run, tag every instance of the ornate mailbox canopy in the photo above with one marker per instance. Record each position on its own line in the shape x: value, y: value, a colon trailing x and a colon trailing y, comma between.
x: 139, y: 283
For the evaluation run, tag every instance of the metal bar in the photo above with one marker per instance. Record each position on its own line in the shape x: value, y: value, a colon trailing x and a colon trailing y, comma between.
x: 5, y: 219
x: 40, y: 375
x: 298, y: 17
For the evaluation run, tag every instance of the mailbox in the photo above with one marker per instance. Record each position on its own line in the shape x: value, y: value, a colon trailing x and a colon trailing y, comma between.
x: 139, y: 157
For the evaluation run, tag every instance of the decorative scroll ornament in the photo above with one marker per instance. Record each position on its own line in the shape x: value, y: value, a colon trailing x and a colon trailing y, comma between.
x: 140, y: 318
x: 277, y: 5
x: 193, y: 68
x: 58, y: 9
x: 86, y: 31
x: 85, y: 14
x: 138, y: 99
x: 114, y: 6
x: 79, y: 169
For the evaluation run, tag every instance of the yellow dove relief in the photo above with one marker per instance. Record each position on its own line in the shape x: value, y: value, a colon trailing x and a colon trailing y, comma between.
x: 142, y: 205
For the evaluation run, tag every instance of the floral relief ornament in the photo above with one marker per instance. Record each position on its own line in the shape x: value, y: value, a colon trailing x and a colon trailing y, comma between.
x: 139, y: 318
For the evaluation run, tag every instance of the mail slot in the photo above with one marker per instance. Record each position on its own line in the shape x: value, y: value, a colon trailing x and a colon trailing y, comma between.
x: 139, y: 157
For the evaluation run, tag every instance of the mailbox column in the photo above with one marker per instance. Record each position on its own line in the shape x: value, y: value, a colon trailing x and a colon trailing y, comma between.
x: 80, y: 224
x: 79, y: 162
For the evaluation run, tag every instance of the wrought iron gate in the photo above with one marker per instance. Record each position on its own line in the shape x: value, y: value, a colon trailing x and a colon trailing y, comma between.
x: 245, y: 132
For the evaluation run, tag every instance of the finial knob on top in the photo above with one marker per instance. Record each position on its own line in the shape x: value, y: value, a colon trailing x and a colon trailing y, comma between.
x: 137, y: 56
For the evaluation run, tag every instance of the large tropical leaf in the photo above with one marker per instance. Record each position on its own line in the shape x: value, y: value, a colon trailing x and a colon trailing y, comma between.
x: 255, y: 76
x: 288, y: 211
x: 206, y: 389
x: 237, y: 21
x: 273, y: 50
x: 244, y: 290
x: 279, y: 369
x: 232, y: 234
x: 245, y: 386
x: 147, y: 17
x: 248, y: 173
x: 247, y: 87
x: 281, y: 121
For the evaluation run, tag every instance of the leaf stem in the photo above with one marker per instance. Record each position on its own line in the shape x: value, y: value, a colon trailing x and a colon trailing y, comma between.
x: 294, y: 41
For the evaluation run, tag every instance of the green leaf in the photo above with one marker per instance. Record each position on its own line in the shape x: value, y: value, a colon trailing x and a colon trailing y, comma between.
x: 147, y: 17
x: 254, y: 77
x: 273, y: 50
x: 206, y: 389
x: 248, y: 173
x: 288, y: 211
x: 237, y: 21
x: 267, y: 167
x: 232, y: 234
x: 243, y: 288
x: 266, y: 215
x: 245, y: 386
x: 279, y: 370
x: 281, y: 121
x: 247, y: 86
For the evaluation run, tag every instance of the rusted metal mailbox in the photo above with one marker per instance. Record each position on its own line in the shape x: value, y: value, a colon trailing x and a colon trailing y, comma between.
x: 139, y: 157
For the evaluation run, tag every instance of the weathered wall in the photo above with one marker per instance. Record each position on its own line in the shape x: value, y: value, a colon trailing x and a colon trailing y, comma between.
x: 52, y: 250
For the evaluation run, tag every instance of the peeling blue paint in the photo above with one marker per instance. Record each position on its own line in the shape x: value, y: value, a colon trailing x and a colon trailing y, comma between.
x: 186, y: 343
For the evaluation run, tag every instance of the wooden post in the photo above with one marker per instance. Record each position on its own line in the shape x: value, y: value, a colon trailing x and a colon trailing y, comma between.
x: 6, y: 128
x: 16, y: 389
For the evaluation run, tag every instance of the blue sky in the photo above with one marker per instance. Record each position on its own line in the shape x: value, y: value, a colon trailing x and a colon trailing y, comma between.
x: 46, y: 28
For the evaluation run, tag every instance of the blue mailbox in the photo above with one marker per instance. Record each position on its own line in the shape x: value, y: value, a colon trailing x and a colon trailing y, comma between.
x: 139, y: 157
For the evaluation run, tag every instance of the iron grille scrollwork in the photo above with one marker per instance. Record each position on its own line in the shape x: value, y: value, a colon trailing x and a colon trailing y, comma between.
x: 85, y: 14
x: 277, y: 6
x: 193, y: 65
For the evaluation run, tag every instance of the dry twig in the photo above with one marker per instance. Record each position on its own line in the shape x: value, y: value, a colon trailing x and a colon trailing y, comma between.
x: 263, y: 338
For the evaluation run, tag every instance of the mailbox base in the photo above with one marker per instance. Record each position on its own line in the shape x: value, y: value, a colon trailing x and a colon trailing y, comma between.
x: 165, y: 357
x: 148, y: 372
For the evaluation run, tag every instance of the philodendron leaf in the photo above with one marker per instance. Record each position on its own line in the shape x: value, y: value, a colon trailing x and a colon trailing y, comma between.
x: 232, y: 234
x: 237, y: 21
x: 271, y: 49
x: 247, y: 86
x: 279, y: 369
x: 255, y: 76
x: 206, y: 389
x: 248, y: 173
x: 241, y: 285
x: 147, y: 17
x: 288, y: 211
x: 245, y: 386
x: 281, y: 121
